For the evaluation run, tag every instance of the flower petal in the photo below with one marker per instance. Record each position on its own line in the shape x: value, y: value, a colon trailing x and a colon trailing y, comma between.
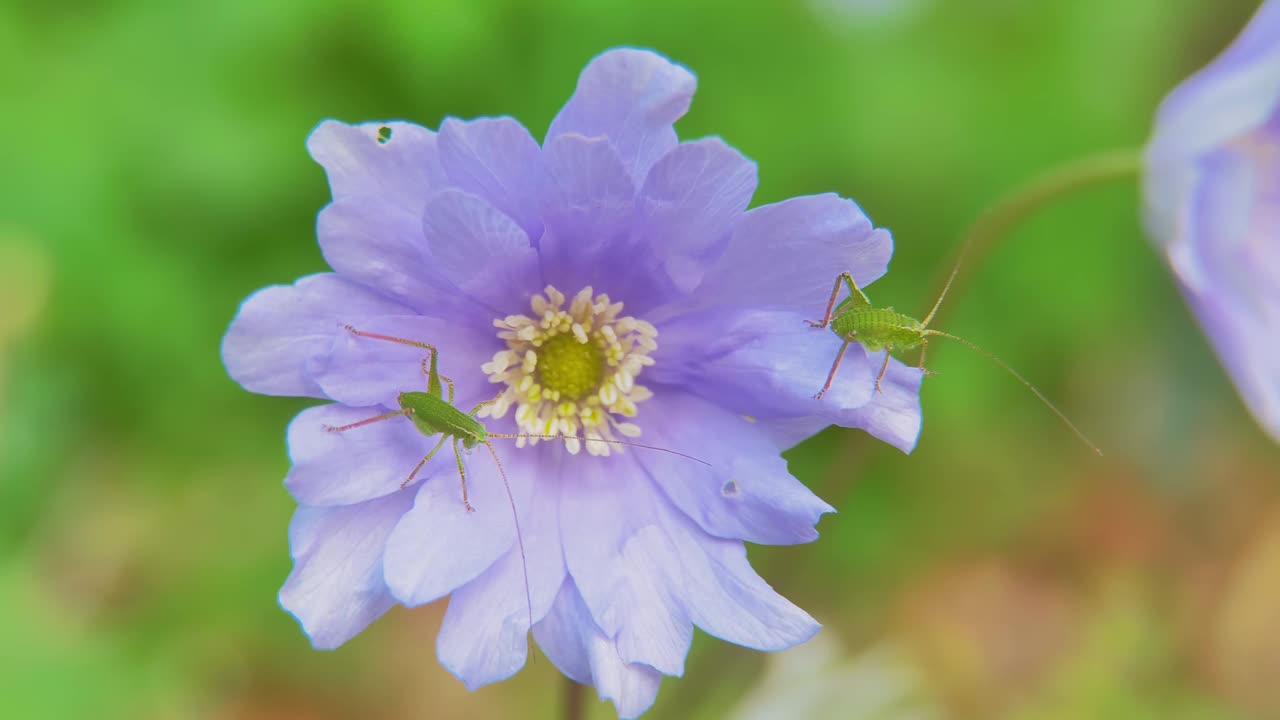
x: 656, y: 631
x: 747, y: 492
x: 1228, y: 265
x: 336, y: 587
x: 496, y: 159
x: 1233, y: 95
x: 621, y: 561
x: 1212, y: 194
x: 588, y: 205
x: 727, y: 599
x: 365, y: 463
x: 788, y: 255
x: 762, y: 363
x: 893, y: 415
x: 690, y: 201
x: 402, y: 171
x: 631, y: 687
x: 589, y: 196
x: 281, y: 330
x: 381, y: 246
x: 362, y: 371
x: 483, y: 636
x: 633, y: 97
x: 482, y: 251
x: 438, y: 546
x: 562, y: 634
x: 578, y: 648
x: 1248, y: 355
x: 638, y: 562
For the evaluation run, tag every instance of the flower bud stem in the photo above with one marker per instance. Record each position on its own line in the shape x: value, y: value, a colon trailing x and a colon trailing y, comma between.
x: 574, y: 700
x: 998, y: 220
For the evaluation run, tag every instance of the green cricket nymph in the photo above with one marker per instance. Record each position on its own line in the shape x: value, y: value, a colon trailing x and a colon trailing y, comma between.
x: 433, y: 413
x: 855, y: 319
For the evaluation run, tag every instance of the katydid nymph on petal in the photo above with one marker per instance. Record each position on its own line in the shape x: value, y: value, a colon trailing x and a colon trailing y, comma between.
x: 856, y: 319
x: 433, y: 413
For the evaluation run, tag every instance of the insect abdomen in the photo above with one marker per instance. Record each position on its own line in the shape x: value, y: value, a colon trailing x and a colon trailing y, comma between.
x: 878, y: 328
x: 433, y: 415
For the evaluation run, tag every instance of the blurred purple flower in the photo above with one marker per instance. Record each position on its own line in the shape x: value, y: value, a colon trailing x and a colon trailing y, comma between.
x: 562, y: 274
x: 1213, y: 205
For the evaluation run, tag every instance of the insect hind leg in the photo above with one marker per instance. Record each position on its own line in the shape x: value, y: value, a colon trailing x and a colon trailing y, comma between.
x: 884, y: 368
x: 428, y: 363
x: 426, y: 370
x: 924, y: 345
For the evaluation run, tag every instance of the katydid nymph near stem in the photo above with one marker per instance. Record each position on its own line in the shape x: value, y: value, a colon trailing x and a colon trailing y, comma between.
x: 855, y: 319
x: 433, y: 413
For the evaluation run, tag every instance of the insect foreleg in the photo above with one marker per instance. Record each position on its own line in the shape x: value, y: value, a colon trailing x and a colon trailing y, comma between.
x: 462, y: 476
x: 423, y: 461
x: 835, y: 292
x: 487, y: 403
x: 831, y: 376
x: 854, y: 292
x: 389, y: 338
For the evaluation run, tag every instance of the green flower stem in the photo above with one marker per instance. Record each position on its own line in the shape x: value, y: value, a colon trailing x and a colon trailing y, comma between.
x: 997, y: 221
x: 574, y: 700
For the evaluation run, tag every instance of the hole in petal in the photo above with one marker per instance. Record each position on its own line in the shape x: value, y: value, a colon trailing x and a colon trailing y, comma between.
x: 729, y: 489
x: 384, y: 135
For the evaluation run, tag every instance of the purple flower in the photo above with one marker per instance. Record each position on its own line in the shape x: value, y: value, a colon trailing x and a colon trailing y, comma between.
x: 1213, y: 205
x: 610, y: 284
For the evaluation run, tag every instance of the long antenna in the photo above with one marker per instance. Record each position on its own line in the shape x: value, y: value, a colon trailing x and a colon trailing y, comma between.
x: 524, y: 561
x: 955, y: 270
x: 1020, y: 379
x: 611, y: 442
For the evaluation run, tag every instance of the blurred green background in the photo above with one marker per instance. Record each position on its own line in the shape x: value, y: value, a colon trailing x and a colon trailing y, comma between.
x: 153, y: 174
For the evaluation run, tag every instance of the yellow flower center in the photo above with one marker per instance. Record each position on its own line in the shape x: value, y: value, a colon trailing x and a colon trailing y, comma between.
x: 572, y: 371
x: 569, y: 367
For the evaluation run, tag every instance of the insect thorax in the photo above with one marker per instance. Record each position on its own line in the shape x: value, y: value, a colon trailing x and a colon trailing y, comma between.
x: 878, y: 328
x: 432, y: 415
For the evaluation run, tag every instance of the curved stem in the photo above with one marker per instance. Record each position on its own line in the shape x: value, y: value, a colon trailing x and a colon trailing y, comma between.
x: 574, y: 700
x: 997, y: 220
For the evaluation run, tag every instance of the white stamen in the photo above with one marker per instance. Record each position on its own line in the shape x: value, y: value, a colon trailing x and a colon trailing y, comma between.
x: 624, y: 344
